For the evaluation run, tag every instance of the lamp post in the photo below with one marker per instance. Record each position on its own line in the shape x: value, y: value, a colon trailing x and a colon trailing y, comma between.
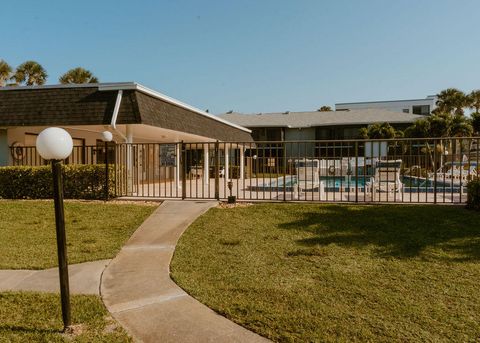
x: 55, y: 144
x: 107, y: 137
x: 231, y: 199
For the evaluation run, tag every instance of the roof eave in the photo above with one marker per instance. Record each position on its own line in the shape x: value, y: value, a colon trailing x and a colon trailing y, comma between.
x: 158, y: 95
x: 115, y: 86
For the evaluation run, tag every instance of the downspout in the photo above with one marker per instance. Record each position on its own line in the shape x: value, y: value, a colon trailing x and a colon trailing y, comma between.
x: 127, y: 138
x: 116, y: 109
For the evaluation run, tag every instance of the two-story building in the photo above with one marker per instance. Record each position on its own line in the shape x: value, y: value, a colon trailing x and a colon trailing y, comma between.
x: 315, y: 126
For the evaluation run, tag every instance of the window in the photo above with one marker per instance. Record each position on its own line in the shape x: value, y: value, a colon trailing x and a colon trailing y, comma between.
x: 257, y: 134
x: 267, y: 134
x: 350, y: 133
x: 422, y: 109
x: 406, y: 110
x: 322, y: 133
x: 274, y: 134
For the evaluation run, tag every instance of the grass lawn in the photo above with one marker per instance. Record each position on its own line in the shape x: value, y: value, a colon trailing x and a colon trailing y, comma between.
x: 308, y: 272
x: 36, y: 317
x: 95, y: 231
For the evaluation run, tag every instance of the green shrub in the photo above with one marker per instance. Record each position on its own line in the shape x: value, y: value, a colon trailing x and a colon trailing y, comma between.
x: 79, y: 182
x: 473, y: 196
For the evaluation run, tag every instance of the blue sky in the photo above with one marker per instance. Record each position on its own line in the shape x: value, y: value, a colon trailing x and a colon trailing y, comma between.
x: 255, y: 55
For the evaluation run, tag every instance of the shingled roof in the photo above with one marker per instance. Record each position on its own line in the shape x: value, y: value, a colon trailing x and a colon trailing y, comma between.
x: 93, y: 104
x: 316, y: 118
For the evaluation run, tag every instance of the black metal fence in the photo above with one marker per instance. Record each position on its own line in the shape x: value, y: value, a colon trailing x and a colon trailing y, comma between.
x: 85, y: 154
x: 393, y: 170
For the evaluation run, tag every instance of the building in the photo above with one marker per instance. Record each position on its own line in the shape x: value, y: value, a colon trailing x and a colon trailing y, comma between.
x: 154, y: 124
x: 413, y: 106
x: 315, y: 126
x: 132, y: 112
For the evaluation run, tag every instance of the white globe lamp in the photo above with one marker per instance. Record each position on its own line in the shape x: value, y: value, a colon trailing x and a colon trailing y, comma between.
x: 54, y: 143
x: 107, y: 136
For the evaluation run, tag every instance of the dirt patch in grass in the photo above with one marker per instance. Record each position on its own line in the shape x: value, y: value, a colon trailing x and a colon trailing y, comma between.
x: 224, y: 205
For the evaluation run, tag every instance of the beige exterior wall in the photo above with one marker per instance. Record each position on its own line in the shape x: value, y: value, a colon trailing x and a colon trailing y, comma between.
x: 19, y: 134
x: 26, y: 137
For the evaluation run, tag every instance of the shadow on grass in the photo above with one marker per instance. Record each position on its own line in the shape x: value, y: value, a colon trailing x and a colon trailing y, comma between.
x: 449, y: 232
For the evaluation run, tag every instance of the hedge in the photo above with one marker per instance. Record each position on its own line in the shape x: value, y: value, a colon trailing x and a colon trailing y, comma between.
x: 473, y: 195
x: 79, y: 182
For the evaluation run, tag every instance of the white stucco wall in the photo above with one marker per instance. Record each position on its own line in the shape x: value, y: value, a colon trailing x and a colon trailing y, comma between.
x: 396, y: 106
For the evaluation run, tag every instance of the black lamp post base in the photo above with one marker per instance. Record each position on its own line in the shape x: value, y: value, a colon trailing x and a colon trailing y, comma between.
x: 232, y: 199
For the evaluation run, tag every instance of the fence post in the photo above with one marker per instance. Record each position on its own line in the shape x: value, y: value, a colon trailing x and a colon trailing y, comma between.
x: 183, y: 166
x: 115, y: 169
x: 356, y: 171
x: 217, y: 171
x: 106, y: 171
x: 284, y: 171
x: 434, y: 171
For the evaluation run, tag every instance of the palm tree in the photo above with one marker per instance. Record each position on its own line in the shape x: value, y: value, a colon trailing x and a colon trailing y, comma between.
x: 419, y: 129
x: 5, y: 72
x: 30, y: 73
x: 378, y: 131
x: 451, y: 100
x: 474, y: 100
x: 440, y: 125
x: 78, y: 75
x: 460, y: 126
x: 476, y: 122
x: 325, y: 109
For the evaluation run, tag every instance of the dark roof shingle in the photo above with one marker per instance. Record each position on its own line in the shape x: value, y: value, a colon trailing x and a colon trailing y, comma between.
x: 84, y: 105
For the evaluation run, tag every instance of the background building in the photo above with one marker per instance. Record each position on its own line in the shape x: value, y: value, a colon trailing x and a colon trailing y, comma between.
x: 413, y: 106
x: 315, y: 125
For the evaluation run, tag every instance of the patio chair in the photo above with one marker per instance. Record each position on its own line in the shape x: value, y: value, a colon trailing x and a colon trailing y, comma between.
x: 387, y: 177
x: 308, y: 176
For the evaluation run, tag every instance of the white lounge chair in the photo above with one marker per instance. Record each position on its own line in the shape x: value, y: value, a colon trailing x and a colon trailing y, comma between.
x: 387, y: 177
x: 308, y: 176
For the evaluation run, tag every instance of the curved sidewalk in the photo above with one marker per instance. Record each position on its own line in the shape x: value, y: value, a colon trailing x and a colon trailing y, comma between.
x: 84, y: 279
x: 137, y: 289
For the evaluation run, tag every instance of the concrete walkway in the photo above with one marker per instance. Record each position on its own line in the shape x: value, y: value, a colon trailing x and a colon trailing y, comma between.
x: 137, y: 289
x: 84, y: 279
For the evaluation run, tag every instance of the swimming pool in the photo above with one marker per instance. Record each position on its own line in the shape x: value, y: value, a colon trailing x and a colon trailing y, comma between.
x: 348, y: 184
x: 422, y: 185
x: 332, y: 183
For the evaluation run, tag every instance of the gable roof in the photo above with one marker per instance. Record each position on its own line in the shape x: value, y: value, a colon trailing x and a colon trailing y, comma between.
x: 316, y: 118
x: 93, y: 104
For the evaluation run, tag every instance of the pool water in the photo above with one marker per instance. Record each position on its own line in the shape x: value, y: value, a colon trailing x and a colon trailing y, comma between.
x: 340, y: 183
x: 420, y: 185
x: 332, y: 183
